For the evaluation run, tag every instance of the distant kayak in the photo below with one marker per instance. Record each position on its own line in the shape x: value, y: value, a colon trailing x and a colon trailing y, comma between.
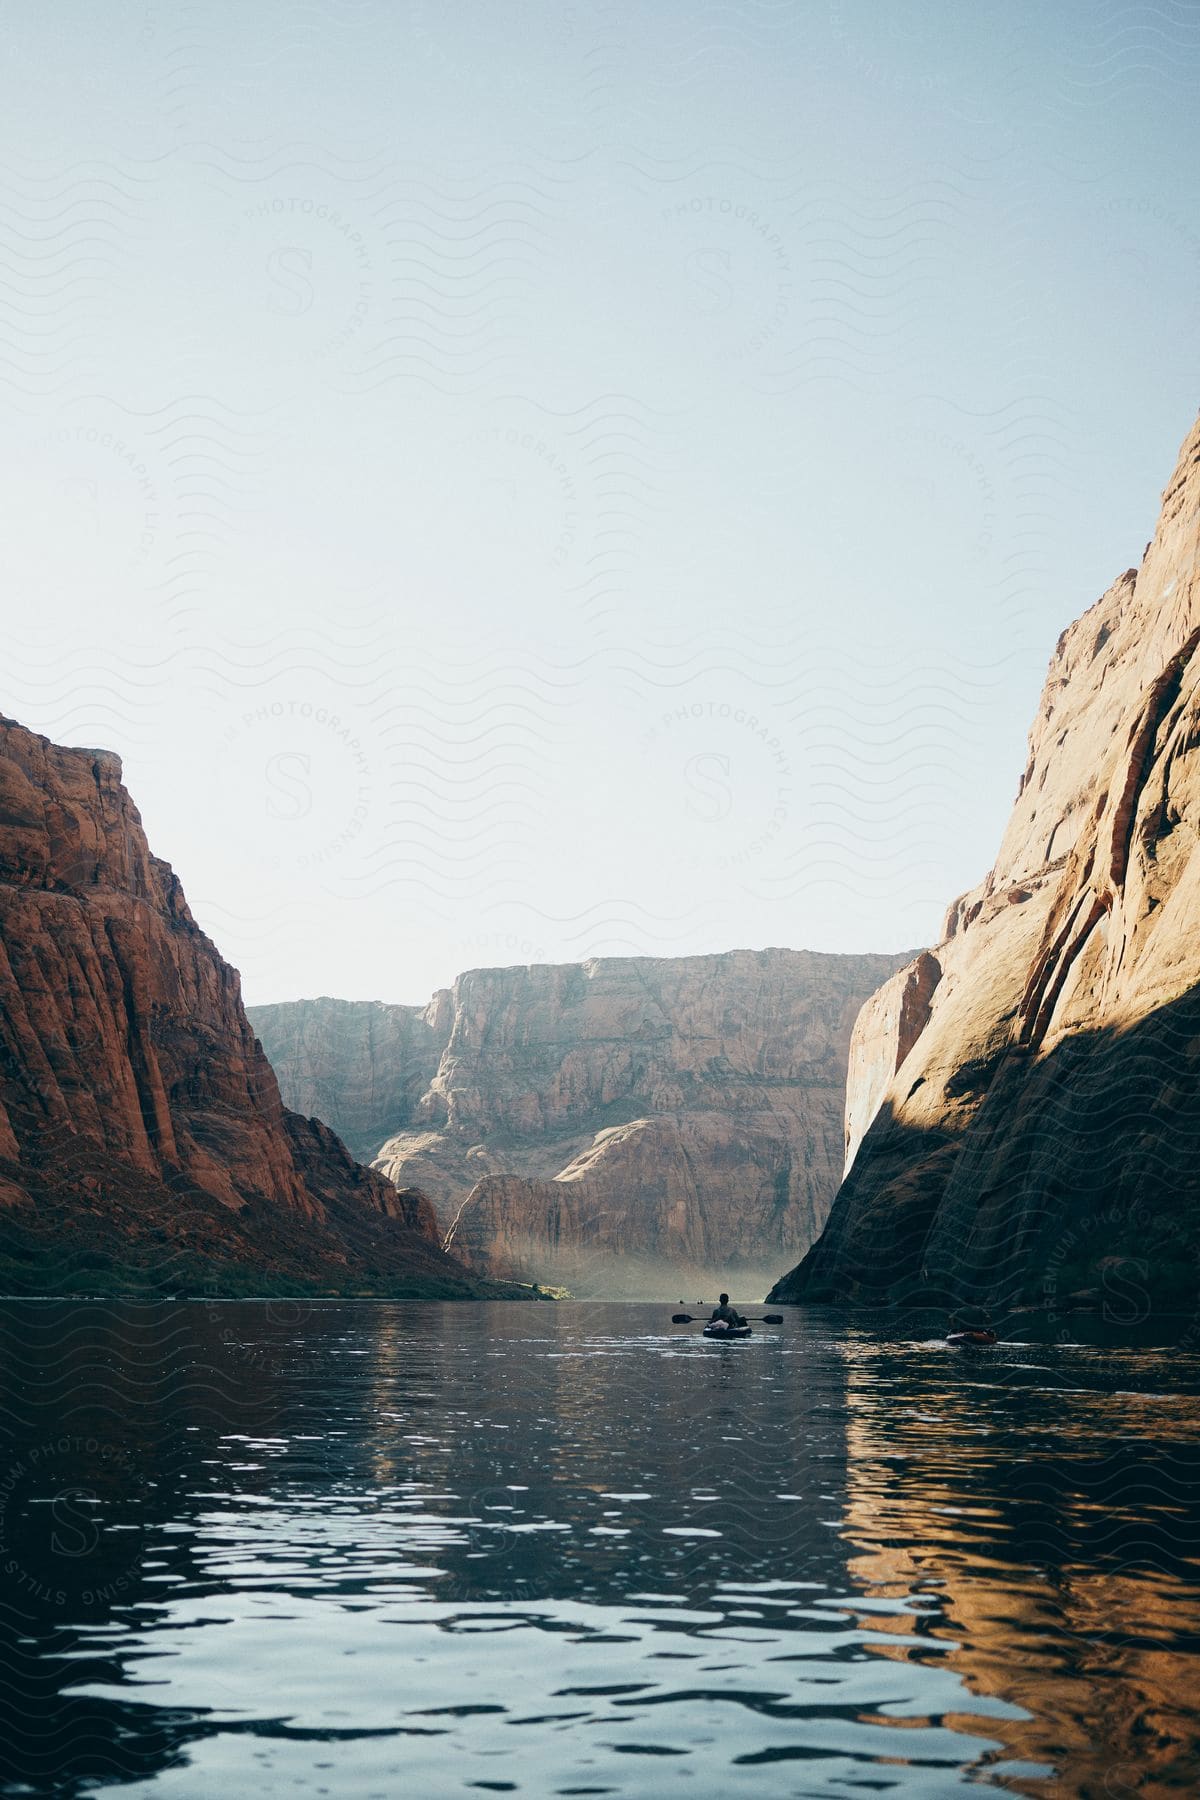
x: 970, y: 1337
x: 719, y: 1330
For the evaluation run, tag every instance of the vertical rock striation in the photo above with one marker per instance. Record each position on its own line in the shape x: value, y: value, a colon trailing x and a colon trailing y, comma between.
x: 617, y: 1126
x: 362, y: 1066
x: 1023, y: 1116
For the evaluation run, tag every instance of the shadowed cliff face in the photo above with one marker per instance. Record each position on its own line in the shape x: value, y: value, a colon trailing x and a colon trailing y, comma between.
x: 362, y: 1066
x: 1076, y: 1182
x: 1025, y: 1095
x: 141, y: 1128
x: 619, y: 1126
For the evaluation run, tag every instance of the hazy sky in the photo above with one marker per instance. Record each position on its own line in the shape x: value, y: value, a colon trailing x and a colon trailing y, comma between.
x: 523, y: 482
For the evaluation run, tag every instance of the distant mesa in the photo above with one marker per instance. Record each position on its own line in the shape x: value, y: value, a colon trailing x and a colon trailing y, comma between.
x: 615, y: 1126
x: 1023, y: 1110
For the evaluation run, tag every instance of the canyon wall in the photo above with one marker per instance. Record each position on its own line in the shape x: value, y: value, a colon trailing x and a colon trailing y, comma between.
x: 1023, y: 1113
x: 619, y: 1127
x: 143, y: 1141
x: 361, y: 1066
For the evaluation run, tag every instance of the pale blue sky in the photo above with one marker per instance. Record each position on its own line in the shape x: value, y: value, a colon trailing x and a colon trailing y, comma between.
x: 526, y: 482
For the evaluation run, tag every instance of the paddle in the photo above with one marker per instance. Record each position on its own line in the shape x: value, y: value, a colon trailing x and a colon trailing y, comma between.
x: 689, y: 1319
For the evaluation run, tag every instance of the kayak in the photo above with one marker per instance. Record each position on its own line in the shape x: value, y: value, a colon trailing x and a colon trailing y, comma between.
x: 970, y: 1337
x: 717, y: 1330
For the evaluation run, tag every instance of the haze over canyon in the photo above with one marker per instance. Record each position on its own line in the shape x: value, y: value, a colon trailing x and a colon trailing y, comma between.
x: 626, y: 1127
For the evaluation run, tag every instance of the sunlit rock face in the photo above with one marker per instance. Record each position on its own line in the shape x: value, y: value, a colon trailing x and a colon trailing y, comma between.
x: 140, y: 1123
x: 624, y: 1126
x: 1024, y: 1102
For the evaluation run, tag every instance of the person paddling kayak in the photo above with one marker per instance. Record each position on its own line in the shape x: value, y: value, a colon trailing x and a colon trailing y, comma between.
x: 972, y: 1328
x: 728, y: 1314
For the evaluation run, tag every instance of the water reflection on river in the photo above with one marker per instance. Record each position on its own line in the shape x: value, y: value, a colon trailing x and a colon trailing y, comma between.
x: 369, y: 1550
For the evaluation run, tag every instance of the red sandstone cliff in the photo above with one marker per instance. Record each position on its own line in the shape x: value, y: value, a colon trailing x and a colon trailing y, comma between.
x: 140, y: 1122
x: 632, y: 1123
x: 1023, y: 1116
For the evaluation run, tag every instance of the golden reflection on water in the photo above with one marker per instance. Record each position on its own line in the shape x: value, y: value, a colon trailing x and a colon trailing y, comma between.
x: 1053, y: 1565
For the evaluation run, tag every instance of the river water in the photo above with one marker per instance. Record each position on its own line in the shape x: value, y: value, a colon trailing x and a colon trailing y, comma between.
x: 378, y: 1550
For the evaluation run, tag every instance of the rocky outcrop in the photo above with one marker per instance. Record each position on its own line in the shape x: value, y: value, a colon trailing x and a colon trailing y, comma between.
x: 362, y: 1066
x: 142, y: 1136
x: 666, y: 1207
x: 1034, y: 1108
x: 884, y: 1032
x: 619, y: 1126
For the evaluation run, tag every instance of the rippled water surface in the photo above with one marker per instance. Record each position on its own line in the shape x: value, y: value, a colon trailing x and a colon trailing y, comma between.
x: 376, y: 1549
